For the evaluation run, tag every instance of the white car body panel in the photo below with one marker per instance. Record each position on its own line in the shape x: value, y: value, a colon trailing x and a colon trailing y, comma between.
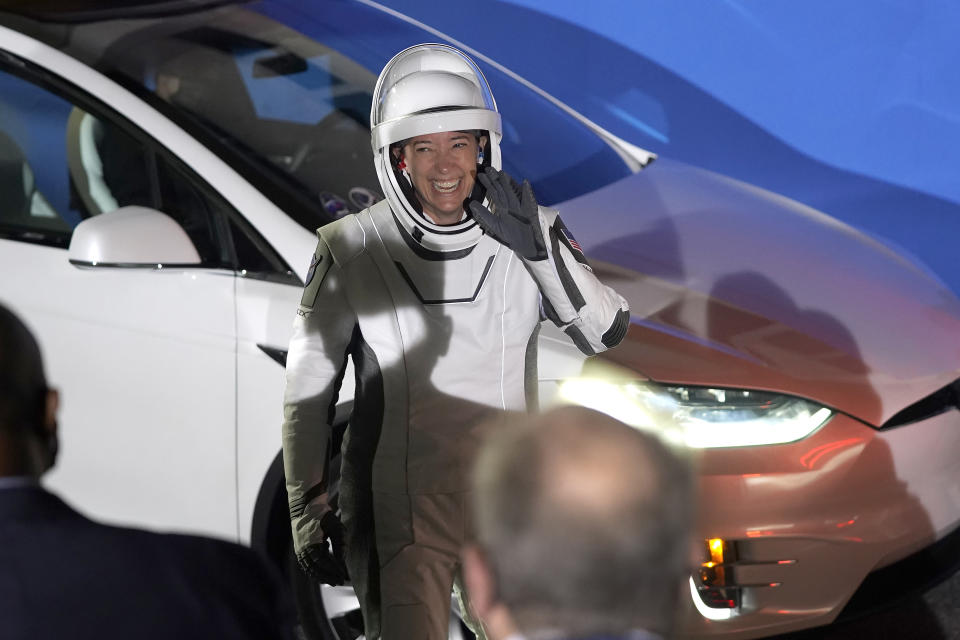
x: 216, y: 307
x: 117, y: 319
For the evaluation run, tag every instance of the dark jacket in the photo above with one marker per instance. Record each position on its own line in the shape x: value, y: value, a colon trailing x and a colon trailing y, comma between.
x: 65, y: 576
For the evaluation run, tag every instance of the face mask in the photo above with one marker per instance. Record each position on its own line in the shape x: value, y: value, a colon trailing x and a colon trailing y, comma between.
x: 52, y: 445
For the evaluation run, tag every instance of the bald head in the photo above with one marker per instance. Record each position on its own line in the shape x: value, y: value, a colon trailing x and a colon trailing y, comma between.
x: 591, y: 464
x: 27, y: 406
x: 585, y: 521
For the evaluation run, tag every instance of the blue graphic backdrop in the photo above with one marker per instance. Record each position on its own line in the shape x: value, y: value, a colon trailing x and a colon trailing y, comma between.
x: 852, y: 108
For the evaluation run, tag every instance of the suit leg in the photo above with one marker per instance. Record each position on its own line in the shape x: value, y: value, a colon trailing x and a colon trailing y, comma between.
x: 356, y: 506
x: 472, y: 621
x: 417, y: 581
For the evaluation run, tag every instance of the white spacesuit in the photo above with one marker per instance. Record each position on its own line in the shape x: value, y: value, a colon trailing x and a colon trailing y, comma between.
x: 441, y: 323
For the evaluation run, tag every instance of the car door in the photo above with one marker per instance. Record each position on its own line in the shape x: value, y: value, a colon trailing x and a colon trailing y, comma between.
x: 145, y: 357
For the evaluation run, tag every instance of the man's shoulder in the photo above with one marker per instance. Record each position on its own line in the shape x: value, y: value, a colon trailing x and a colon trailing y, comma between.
x: 168, y: 552
x: 195, y: 554
x: 225, y: 572
x: 51, y: 550
x: 189, y: 543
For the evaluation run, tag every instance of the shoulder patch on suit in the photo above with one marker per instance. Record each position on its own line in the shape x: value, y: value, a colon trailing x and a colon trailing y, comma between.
x: 320, y: 263
x: 565, y: 237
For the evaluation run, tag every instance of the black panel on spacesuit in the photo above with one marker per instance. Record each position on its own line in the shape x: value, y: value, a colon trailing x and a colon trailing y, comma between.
x: 366, y: 418
x: 579, y: 340
x: 530, y: 375
x: 409, y: 280
x: 356, y: 479
x: 569, y: 285
x: 422, y: 252
x: 332, y: 407
x: 549, y: 311
x: 617, y: 331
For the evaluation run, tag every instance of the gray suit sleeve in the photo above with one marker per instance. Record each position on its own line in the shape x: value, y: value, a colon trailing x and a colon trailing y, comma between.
x: 316, y: 361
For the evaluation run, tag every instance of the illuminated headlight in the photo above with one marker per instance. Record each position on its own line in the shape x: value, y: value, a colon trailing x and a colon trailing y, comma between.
x: 700, y: 416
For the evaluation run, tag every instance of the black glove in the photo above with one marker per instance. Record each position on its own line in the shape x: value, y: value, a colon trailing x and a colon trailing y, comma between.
x: 317, y: 560
x: 514, y: 221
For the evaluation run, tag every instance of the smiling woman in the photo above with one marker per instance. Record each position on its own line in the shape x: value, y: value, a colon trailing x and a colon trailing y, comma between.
x: 443, y: 169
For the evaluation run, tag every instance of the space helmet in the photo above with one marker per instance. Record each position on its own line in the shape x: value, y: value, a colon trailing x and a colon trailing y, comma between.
x: 430, y: 88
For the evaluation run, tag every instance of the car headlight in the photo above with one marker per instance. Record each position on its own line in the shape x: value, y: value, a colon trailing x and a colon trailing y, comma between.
x: 700, y: 417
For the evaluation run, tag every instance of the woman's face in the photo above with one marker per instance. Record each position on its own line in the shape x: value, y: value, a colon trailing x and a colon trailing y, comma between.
x: 443, y: 167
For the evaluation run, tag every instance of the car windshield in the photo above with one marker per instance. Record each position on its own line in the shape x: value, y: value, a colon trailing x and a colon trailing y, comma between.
x: 282, y: 91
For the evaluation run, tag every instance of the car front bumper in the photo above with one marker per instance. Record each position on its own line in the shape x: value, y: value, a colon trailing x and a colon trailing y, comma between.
x: 811, y: 519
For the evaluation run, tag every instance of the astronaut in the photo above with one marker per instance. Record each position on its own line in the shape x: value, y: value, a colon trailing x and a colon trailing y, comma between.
x: 438, y: 306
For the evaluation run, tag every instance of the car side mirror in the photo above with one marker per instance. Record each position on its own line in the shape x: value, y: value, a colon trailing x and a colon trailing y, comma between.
x: 131, y: 236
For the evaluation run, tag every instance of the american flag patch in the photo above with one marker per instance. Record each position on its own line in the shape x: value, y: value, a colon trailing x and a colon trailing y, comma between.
x: 571, y: 240
x: 567, y: 238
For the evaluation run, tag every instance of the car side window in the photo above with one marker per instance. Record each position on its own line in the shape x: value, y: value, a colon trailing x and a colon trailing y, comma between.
x: 61, y: 162
x: 34, y: 195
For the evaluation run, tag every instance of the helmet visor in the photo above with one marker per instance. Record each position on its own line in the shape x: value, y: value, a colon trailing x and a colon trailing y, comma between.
x: 430, y: 88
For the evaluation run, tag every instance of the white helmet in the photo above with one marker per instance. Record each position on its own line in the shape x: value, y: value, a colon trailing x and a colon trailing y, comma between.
x: 430, y: 88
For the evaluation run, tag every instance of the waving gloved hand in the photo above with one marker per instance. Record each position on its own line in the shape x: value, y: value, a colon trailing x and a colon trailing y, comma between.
x: 513, y: 219
x: 319, y: 562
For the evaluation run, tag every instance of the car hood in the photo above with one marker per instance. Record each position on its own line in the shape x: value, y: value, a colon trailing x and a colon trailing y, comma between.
x: 730, y: 285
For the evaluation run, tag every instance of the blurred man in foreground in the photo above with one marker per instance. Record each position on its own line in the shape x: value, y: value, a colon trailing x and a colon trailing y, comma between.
x: 583, y: 528
x: 64, y: 576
